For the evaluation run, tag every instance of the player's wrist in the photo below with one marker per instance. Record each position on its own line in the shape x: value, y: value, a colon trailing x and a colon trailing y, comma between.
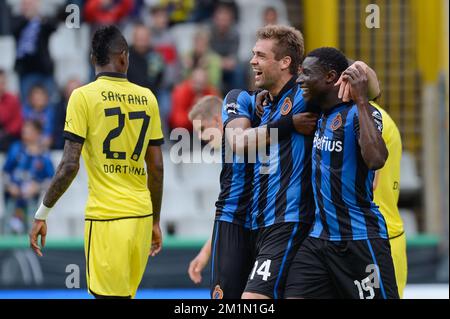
x: 42, y: 212
x: 361, y: 101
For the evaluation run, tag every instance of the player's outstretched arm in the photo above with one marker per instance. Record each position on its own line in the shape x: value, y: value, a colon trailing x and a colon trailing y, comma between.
x: 242, y: 137
x: 373, y: 148
x: 155, y: 171
x: 65, y: 174
x: 199, y: 262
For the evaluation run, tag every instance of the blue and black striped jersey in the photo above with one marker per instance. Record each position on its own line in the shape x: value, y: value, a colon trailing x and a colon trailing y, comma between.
x: 342, y: 182
x: 282, y: 180
x: 237, y: 173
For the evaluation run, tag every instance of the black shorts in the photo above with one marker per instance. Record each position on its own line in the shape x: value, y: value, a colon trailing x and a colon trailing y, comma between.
x: 231, y: 260
x: 275, y: 247
x: 357, y: 269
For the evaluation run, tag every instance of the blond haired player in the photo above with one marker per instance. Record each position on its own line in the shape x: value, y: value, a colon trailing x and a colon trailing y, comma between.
x: 116, y: 126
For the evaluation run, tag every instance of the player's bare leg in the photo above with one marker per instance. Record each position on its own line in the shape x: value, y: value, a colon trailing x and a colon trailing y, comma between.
x: 253, y: 295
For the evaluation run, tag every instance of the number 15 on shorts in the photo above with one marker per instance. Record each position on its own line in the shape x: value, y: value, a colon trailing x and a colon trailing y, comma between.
x: 263, y: 270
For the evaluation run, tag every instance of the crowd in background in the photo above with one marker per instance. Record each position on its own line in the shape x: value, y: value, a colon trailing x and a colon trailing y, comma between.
x: 32, y: 121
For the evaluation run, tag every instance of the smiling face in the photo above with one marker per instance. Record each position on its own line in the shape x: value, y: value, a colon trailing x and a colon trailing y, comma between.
x: 313, y: 80
x: 266, y: 68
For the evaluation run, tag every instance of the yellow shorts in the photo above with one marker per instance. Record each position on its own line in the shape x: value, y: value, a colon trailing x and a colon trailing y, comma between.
x: 398, y: 252
x: 116, y: 255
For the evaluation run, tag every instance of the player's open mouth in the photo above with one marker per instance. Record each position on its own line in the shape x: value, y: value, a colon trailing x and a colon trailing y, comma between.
x: 257, y: 74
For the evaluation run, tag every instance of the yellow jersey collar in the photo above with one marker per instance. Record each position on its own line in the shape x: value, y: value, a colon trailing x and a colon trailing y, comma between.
x: 115, y: 76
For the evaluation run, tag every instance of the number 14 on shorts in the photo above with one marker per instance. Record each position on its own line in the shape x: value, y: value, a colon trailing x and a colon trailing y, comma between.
x: 263, y: 270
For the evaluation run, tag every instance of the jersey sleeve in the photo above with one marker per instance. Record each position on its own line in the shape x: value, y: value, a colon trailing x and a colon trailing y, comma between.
x: 156, y: 137
x: 237, y: 104
x: 376, y: 117
x: 76, y: 125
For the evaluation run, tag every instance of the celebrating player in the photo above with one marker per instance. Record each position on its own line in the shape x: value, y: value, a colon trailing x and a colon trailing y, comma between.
x: 347, y: 254
x: 282, y: 206
x: 116, y: 126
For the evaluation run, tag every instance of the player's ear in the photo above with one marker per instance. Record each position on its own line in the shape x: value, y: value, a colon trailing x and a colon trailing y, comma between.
x: 124, y: 58
x: 285, y: 62
x: 332, y: 77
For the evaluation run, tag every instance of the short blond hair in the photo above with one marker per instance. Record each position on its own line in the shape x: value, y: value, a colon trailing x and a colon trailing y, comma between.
x: 289, y: 42
x: 206, y: 107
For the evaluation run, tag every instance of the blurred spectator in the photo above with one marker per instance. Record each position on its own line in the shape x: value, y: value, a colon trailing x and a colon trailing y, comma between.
x: 60, y: 113
x: 179, y: 10
x: 146, y: 65
x: 204, y: 9
x: 164, y: 43
x: 225, y: 42
x: 202, y: 56
x: 27, y: 170
x: 270, y: 16
x: 38, y: 108
x: 186, y: 94
x: 33, y: 61
x: 5, y: 18
x: 10, y: 115
x: 101, y: 12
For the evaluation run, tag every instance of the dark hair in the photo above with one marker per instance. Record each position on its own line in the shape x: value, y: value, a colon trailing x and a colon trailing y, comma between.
x: 289, y: 42
x: 37, y: 125
x: 2, y: 72
x: 157, y: 8
x: 330, y: 59
x: 106, y: 41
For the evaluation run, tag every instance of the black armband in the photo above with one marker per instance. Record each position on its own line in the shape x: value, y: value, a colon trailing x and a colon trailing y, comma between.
x: 285, y: 126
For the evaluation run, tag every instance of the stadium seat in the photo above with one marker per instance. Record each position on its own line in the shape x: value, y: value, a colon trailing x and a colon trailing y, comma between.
x: 68, y: 214
x: 8, y: 50
x: 207, y: 201
x: 13, y: 82
x: 409, y: 222
x: 184, y: 36
x: 201, y: 175
x: 70, y: 50
x: 410, y: 182
x: 195, y: 227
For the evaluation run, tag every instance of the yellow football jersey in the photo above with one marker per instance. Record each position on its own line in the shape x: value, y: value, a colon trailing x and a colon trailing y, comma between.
x: 116, y: 120
x: 388, y: 185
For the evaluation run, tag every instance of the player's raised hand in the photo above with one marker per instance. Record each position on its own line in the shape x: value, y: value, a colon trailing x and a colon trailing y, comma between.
x: 357, y: 79
x: 343, y: 82
x: 39, y: 228
x: 196, y: 266
x: 305, y: 123
x: 261, y: 101
x: 156, y: 240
